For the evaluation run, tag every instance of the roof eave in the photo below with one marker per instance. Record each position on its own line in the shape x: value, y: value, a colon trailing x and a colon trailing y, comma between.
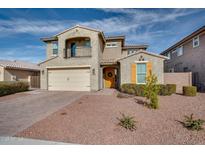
x: 136, y: 47
x: 49, y: 39
x: 197, y: 32
x: 149, y: 53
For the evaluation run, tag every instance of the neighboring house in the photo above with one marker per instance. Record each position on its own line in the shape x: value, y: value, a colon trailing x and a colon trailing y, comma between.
x: 83, y: 59
x: 17, y: 70
x: 188, y: 55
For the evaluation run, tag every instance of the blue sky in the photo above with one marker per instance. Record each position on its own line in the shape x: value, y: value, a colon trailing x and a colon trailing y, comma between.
x: 21, y: 29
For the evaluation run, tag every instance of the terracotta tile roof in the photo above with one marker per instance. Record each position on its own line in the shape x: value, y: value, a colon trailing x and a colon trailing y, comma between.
x: 134, y: 46
x: 108, y: 61
x: 115, y: 37
x: 16, y: 64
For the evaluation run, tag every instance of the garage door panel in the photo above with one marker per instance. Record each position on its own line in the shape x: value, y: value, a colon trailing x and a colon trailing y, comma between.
x: 69, y: 79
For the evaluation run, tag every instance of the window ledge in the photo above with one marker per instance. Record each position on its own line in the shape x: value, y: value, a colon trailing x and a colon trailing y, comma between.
x: 81, y: 57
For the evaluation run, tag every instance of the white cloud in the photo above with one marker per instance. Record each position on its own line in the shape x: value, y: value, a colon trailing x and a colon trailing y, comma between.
x: 126, y: 21
x: 32, y: 53
x: 13, y: 26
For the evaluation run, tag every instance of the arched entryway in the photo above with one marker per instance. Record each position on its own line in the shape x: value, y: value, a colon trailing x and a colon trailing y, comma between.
x: 109, y: 77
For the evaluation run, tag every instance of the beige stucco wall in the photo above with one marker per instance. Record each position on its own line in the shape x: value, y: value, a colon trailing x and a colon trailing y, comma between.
x: 93, y: 61
x: 180, y: 79
x: 113, y: 52
x: 1, y: 73
x: 49, y: 50
x: 193, y: 58
x: 125, y: 51
x: 21, y: 75
x: 157, y: 67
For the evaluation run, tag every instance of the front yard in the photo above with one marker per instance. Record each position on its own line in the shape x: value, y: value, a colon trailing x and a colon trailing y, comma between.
x: 93, y: 120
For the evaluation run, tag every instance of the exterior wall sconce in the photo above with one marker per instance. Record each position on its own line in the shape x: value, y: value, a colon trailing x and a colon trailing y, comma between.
x: 93, y: 71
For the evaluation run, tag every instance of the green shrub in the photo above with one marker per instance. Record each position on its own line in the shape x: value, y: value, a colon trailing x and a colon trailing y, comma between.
x: 163, y: 90
x: 11, y: 87
x: 167, y: 90
x: 193, y: 124
x: 172, y: 88
x: 138, y: 89
x: 127, y: 122
x: 151, y: 91
x: 189, y: 90
x: 133, y: 89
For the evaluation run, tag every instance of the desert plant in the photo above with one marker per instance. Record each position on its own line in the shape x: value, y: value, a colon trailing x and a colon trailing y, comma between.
x: 139, y: 90
x: 127, y: 122
x: 151, y: 91
x: 189, y: 90
x: 193, y: 124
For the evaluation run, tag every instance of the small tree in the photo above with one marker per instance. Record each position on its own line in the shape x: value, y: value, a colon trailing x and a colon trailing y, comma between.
x: 151, y: 91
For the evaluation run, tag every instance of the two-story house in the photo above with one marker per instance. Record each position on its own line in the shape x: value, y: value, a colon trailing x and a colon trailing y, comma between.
x: 188, y: 55
x: 83, y: 59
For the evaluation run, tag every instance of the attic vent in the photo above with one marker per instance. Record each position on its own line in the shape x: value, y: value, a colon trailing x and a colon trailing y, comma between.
x: 141, y: 58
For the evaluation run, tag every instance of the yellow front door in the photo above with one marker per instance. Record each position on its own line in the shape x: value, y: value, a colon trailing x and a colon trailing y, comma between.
x: 109, y: 77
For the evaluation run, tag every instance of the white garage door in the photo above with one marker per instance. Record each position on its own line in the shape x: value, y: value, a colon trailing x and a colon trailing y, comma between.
x: 69, y: 79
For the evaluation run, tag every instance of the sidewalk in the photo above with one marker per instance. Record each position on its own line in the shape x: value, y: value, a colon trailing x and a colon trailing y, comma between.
x: 26, y: 141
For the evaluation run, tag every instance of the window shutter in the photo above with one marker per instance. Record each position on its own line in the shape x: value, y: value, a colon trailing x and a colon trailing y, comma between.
x: 149, y: 69
x: 133, y: 73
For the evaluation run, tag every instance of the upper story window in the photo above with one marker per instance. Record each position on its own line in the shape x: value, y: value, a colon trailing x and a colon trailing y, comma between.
x: 87, y: 43
x: 180, y: 51
x: 131, y: 52
x: 177, y: 52
x: 55, y: 48
x: 111, y: 44
x: 169, y: 55
x: 196, y: 42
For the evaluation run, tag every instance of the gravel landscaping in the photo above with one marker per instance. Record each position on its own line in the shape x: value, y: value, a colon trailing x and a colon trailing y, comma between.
x: 93, y: 120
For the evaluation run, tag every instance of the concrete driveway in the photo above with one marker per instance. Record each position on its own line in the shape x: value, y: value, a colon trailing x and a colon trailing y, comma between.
x: 20, y: 111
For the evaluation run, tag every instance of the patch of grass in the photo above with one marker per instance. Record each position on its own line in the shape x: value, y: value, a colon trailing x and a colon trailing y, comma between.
x: 127, y: 122
x: 193, y: 124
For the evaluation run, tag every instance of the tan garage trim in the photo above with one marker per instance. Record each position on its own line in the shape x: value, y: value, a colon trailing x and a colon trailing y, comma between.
x: 75, y: 66
x: 69, y: 79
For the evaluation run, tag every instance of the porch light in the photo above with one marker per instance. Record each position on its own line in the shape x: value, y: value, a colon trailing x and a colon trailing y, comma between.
x: 93, y: 71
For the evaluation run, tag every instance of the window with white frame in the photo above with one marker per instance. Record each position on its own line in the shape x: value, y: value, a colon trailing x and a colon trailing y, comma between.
x: 55, y: 48
x: 169, y: 55
x: 111, y: 44
x: 131, y: 52
x: 180, y: 51
x: 141, y: 73
x: 196, y: 42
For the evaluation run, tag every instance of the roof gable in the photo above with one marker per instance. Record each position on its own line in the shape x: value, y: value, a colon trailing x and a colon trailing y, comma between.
x: 145, y: 52
x: 83, y: 27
